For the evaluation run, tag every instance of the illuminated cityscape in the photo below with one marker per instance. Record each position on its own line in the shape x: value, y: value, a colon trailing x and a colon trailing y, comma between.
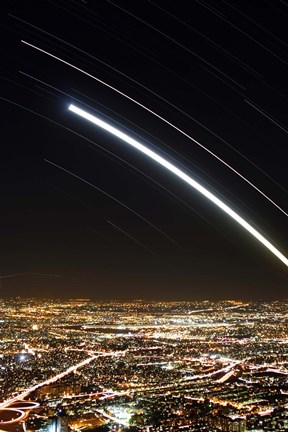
x: 81, y: 365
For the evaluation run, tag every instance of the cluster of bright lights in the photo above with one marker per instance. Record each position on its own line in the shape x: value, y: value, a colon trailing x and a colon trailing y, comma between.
x: 172, y: 168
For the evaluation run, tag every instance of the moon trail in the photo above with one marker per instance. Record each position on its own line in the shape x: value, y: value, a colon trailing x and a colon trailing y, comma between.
x: 159, y: 117
x: 181, y: 174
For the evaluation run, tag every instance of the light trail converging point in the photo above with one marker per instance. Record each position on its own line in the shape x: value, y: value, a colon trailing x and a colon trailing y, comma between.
x: 179, y: 173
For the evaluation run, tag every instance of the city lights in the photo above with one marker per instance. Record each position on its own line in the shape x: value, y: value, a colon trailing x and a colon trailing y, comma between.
x: 203, y: 365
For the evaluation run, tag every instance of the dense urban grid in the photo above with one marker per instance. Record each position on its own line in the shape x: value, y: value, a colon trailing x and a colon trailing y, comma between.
x: 150, y: 366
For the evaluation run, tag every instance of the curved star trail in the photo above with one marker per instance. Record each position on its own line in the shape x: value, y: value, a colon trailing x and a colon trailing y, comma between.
x: 179, y: 173
x: 161, y: 118
x: 116, y: 200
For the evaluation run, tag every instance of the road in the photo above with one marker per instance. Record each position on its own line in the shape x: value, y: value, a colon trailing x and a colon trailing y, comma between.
x: 54, y: 378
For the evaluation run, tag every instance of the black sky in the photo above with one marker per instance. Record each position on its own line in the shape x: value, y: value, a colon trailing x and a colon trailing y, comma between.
x: 102, y: 217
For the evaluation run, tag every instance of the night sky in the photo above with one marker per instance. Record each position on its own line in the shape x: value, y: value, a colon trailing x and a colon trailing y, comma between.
x: 85, y: 215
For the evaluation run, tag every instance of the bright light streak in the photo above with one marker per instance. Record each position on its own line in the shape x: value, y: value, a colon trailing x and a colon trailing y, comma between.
x: 172, y: 168
x: 156, y: 115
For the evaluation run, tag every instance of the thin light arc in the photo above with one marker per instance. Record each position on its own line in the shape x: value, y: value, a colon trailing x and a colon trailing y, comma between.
x: 187, y: 179
x: 158, y: 116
